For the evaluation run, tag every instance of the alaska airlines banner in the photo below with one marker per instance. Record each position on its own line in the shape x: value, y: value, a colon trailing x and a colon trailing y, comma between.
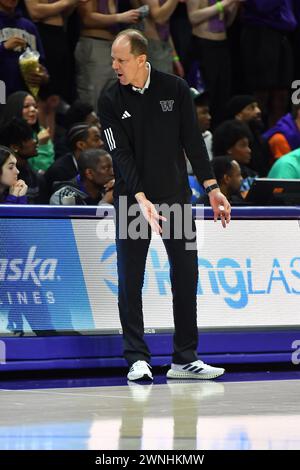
x: 61, y: 275
x: 41, y: 282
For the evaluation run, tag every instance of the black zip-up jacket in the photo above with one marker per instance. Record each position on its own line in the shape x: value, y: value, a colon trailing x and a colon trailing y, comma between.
x: 147, y: 135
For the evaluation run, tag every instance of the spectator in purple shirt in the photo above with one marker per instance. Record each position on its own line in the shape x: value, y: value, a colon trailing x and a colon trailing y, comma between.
x: 267, y: 53
x: 17, y: 33
x: 12, y: 190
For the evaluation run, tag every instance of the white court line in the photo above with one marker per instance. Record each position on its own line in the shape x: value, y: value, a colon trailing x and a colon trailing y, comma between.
x: 67, y: 394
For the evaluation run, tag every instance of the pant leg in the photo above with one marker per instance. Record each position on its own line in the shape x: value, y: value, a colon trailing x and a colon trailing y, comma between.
x: 184, y: 279
x: 215, y: 68
x: 131, y: 261
x: 160, y: 55
x: 93, y: 68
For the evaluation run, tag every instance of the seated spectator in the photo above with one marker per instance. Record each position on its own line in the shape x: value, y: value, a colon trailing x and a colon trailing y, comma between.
x: 232, y: 138
x: 17, y: 33
x: 23, y: 105
x: 80, y: 137
x: 201, y: 101
x: 12, y: 190
x: 285, y: 135
x: 229, y: 178
x: 93, y: 185
x: 286, y: 167
x: 17, y: 135
x: 77, y: 112
x: 245, y: 108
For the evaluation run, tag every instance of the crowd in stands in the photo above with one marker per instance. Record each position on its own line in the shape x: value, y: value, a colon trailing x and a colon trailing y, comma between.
x: 240, y: 58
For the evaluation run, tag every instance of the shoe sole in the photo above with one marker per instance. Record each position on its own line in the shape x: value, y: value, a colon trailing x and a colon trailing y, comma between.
x: 144, y: 378
x: 178, y: 374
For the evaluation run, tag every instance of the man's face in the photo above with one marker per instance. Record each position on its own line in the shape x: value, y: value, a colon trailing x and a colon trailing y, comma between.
x: 234, y: 179
x: 94, y: 139
x: 103, y: 172
x: 126, y: 65
x: 204, y: 117
x: 241, y: 151
x: 10, y: 172
x: 251, y: 112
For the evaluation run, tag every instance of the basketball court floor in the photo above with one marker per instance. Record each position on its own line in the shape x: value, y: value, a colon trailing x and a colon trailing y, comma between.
x: 246, y: 410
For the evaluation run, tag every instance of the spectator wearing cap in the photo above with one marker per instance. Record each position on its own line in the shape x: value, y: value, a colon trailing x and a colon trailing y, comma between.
x: 244, y: 108
x: 232, y: 138
x: 229, y: 178
x: 285, y: 135
x: 80, y: 137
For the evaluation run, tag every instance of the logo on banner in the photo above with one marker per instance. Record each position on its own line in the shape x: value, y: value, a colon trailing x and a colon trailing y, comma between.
x: 236, y: 282
x: 20, y: 275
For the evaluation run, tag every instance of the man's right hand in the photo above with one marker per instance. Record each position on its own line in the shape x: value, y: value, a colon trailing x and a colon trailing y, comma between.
x: 14, y: 43
x: 130, y: 16
x: 150, y: 213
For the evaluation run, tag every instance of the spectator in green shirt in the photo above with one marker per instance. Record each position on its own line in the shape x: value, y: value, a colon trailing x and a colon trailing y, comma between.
x: 286, y: 167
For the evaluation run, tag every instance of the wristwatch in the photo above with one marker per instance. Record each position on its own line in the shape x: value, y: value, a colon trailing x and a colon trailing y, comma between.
x: 208, y: 189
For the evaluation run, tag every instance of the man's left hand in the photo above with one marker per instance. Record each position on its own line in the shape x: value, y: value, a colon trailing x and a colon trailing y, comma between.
x: 220, y: 206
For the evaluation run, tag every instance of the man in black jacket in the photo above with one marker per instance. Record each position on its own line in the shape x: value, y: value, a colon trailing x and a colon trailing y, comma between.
x: 149, y: 121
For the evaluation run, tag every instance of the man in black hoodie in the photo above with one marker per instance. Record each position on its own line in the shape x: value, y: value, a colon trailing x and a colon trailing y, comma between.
x: 244, y: 108
x: 149, y: 124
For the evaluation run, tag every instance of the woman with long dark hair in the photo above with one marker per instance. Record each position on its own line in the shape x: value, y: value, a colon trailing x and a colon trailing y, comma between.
x: 22, y: 104
x: 12, y: 190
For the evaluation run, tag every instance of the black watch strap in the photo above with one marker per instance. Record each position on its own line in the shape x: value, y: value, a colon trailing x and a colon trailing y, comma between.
x: 208, y: 189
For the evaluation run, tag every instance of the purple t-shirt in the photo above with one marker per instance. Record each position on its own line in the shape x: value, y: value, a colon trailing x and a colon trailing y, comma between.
x: 102, y: 7
x: 275, y: 14
x: 163, y: 30
x: 10, y: 26
x: 215, y: 24
x: 11, y: 199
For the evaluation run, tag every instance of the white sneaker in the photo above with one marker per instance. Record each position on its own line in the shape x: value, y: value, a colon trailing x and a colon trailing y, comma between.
x: 194, y: 370
x: 140, y: 370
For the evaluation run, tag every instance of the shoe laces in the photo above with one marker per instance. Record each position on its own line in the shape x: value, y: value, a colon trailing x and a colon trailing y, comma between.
x: 140, y: 365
